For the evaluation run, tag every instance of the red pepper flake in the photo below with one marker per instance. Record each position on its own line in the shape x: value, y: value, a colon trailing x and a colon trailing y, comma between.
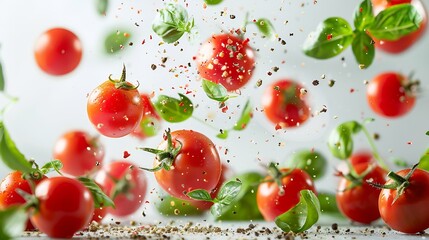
x: 144, y: 41
x: 352, y: 90
x: 181, y: 104
x: 277, y: 127
x: 245, y: 41
x: 329, y: 37
x: 360, y: 9
x: 126, y: 154
x: 224, y: 109
x: 150, y: 37
x: 409, y: 142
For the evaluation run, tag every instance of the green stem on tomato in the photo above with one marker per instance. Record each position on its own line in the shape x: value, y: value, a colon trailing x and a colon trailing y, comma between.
x: 375, y: 152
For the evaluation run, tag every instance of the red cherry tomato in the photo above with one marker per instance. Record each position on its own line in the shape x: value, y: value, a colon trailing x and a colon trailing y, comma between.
x: 227, y: 60
x: 360, y: 203
x: 65, y: 207
x: 284, y: 104
x: 272, y: 203
x: 360, y: 156
x: 58, y: 51
x: 388, y: 96
x: 404, y: 43
x: 196, y: 166
x: 150, y: 124
x: 10, y: 197
x: 409, y: 213
x: 79, y: 152
x: 128, y: 182
x: 115, y: 107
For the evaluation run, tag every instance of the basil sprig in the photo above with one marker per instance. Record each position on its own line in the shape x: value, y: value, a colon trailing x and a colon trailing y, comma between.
x: 335, y: 34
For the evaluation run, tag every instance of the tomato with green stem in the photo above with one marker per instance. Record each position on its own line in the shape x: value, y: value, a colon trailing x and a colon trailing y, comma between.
x: 186, y: 160
x: 58, y: 51
x: 284, y: 103
x: 115, y: 107
x: 150, y: 123
x: 79, y: 152
x: 280, y: 191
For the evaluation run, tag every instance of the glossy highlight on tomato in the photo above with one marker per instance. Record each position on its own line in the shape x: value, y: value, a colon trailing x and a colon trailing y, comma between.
x: 226, y: 59
x: 58, y: 51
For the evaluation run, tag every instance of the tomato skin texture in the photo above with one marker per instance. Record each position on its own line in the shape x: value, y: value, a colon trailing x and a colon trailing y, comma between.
x: 196, y: 166
x: 129, y: 202
x: 410, y: 212
x: 58, y: 51
x: 150, y: 122
x: 115, y: 112
x: 271, y: 204
x: 283, y: 104
x: 386, y: 95
x: 360, y: 203
x: 9, y: 196
x: 402, y: 44
x: 65, y: 207
x: 79, y: 152
x: 226, y: 59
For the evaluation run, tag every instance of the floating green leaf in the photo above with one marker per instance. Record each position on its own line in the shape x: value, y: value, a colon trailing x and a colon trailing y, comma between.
x: 170, y: 206
x: 172, y: 22
x: 212, y: 2
x: 10, y: 154
x: 116, y: 41
x: 363, y: 49
x: 364, y: 15
x: 100, y: 198
x: 102, y: 6
x: 328, y: 203
x: 215, y: 91
x: 340, y: 140
x: 266, y: 28
x: 200, y: 194
x: 313, y: 162
x: 12, y: 222
x: 174, y: 110
x: 54, y: 165
x: 245, y: 117
x: 223, y: 134
x: 424, y: 161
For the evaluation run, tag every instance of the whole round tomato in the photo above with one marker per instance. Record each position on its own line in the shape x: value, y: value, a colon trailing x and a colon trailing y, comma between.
x: 58, y: 51
x: 359, y: 202
x: 65, y: 206
x: 115, y: 107
x: 389, y: 95
x: 284, y: 104
x: 272, y: 203
x: 126, y: 184
x: 79, y: 152
x: 150, y: 123
x: 195, y: 166
x: 10, y: 197
x: 226, y: 59
x: 408, y: 212
x: 405, y: 42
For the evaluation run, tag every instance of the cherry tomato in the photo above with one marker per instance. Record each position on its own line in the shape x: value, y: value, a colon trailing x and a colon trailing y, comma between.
x: 79, y: 152
x: 58, y: 51
x: 115, y: 107
x: 10, y: 197
x: 65, y: 206
x: 226, y: 59
x: 360, y: 156
x: 126, y: 184
x: 151, y: 122
x: 390, y: 95
x: 272, y: 202
x: 359, y: 202
x: 404, y: 43
x: 196, y: 165
x: 408, y: 212
x: 284, y: 104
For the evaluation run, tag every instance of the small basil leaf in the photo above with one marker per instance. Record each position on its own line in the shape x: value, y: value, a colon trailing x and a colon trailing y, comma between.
x: 246, y: 116
x: 12, y: 222
x: 216, y: 209
x: 427, y: 133
x: 215, y: 91
x: 228, y: 192
x: 102, y: 6
x: 395, y: 22
x: 10, y: 154
x: 2, y: 83
x: 302, y: 216
x: 363, y: 49
x: 363, y: 15
x: 424, y: 161
x: 266, y: 28
x: 328, y: 203
x: 54, y: 165
x: 100, y: 198
x: 170, y: 207
x: 172, y: 22
x: 313, y: 162
x: 174, y: 110
x: 116, y: 41
x: 223, y: 134
x: 200, y: 194
x: 212, y: 2
x: 331, y: 37
x: 340, y: 140
x: 150, y: 126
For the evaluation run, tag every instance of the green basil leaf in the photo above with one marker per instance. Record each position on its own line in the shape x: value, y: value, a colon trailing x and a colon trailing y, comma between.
x: 400, y: 163
x: 364, y: 15
x: 302, y: 216
x: 54, y: 165
x: 170, y: 206
x: 340, y: 140
x: 228, y: 192
x: 10, y: 154
x: 102, y: 6
x: 116, y: 41
x: 363, y: 49
x: 12, y: 222
x: 313, y: 162
x: 266, y: 28
x: 223, y: 134
x: 2, y: 82
x: 395, y: 22
x: 200, y: 194
x: 328, y: 203
x: 174, y: 110
x: 245, y: 117
x: 215, y: 91
x: 172, y: 22
x: 427, y: 133
x: 150, y: 126
x: 100, y: 198
x: 212, y: 2
x: 331, y: 37
x: 424, y: 161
